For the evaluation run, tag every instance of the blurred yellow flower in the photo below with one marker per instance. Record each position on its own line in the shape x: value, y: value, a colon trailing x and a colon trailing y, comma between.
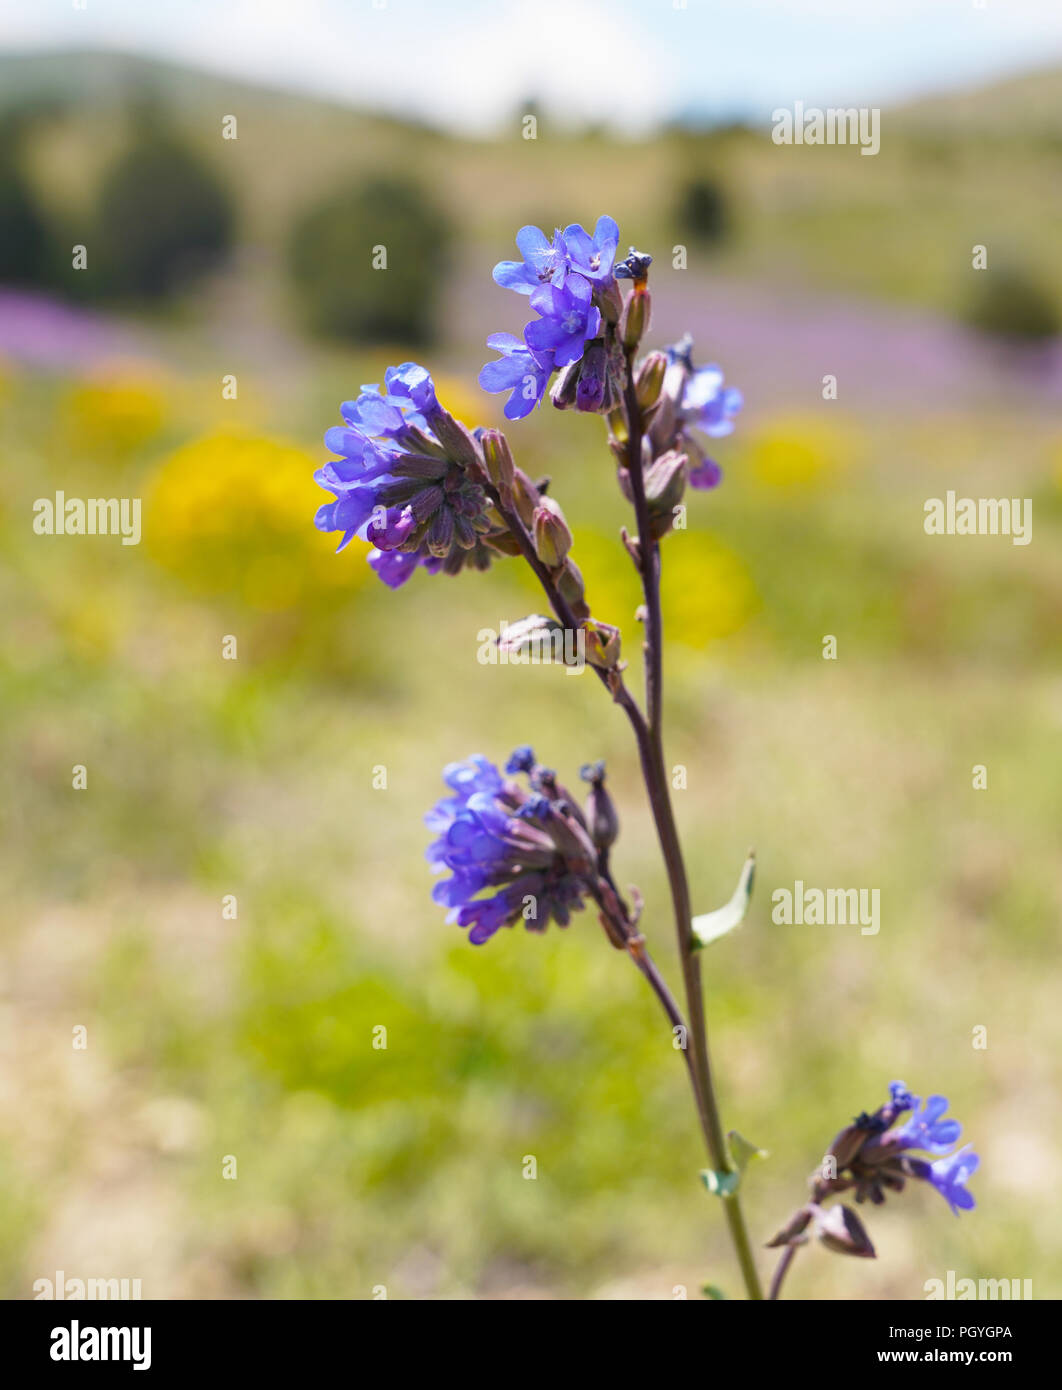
x: 708, y: 592
x: 232, y: 514
x: 800, y: 451
x: 114, y: 412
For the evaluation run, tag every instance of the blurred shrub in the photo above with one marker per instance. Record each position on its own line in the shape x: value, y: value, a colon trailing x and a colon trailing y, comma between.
x: 331, y: 257
x: 24, y: 258
x: 703, y: 210
x: 232, y: 516
x: 1012, y: 304
x: 163, y: 217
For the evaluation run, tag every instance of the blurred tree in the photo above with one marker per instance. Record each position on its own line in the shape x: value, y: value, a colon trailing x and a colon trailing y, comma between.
x: 703, y: 210
x: 163, y: 217
x: 24, y: 255
x: 1010, y: 303
x: 369, y: 264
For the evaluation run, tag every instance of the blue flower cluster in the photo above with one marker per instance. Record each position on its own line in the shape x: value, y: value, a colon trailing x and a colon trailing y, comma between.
x: 402, y: 481
x: 513, y: 853
x: 568, y: 278
x: 879, y: 1156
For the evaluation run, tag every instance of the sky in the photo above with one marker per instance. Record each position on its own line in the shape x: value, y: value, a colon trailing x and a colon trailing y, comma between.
x: 469, y: 64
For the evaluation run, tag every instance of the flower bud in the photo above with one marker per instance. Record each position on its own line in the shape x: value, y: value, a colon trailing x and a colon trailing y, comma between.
x: 525, y: 497
x: 552, y: 536
x: 792, y: 1233
x: 455, y: 439
x: 594, y: 383
x: 601, y: 814
x: 529, y: 637
x: 650, y: 379
x: 498, y: 458
x: 665, y: 481
x: 566, y: 386
x: 841, y: 1230
x: 635, y: 317
x: 572, y: 589
x: 847, y: 1145
x: 602, y: 644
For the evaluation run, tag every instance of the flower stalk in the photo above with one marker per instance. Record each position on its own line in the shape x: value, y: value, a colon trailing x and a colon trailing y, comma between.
x: 431, y: 495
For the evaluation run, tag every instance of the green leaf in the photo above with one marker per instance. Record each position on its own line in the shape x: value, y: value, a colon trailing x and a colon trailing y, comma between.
x: 713, y: 1291
x: 710, y: 926
x: 720, y: 1184
x: 741, y: 1151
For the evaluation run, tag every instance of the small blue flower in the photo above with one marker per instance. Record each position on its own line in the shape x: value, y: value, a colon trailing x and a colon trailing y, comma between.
x: 950, y: 1175
x: 544, y: 262
x: 927, y: 1130
x: 593, y: 256
x: 568, y: 319
x: 707, y: 406
x: 519, y: 370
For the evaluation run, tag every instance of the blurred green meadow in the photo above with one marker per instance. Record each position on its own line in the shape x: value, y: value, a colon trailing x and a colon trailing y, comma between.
x: 213, y: 1034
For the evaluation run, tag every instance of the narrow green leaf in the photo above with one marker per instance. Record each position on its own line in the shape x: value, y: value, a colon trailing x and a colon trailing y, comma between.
x: 713, y: 1291
x: 741, y: 1151
x: 710, y: 926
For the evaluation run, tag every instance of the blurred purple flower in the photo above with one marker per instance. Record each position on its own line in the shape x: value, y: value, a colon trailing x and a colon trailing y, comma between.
x: 949, y: 1176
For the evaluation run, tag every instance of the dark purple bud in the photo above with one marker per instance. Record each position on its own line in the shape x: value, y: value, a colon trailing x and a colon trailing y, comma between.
x: 792, y: 1233
x: 841, y: 1230
x: 601, y: 814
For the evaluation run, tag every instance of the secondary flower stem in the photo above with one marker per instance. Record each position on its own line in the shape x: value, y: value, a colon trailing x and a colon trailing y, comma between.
x: 658, y: 789
x: 787, y: 1259
x: 651, y: 757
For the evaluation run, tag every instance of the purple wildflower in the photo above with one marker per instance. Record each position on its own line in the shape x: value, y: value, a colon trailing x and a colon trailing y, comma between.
x: 708, y: 406
x: 402, y: 481
x: 544, y: 262
x: 949, y: 1176
x: 519, y: 370
x: 874, y: 1158
x: 512, y: 853
x: 568, y: 320
x: 593, y: 256
x: 927, y: 1130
